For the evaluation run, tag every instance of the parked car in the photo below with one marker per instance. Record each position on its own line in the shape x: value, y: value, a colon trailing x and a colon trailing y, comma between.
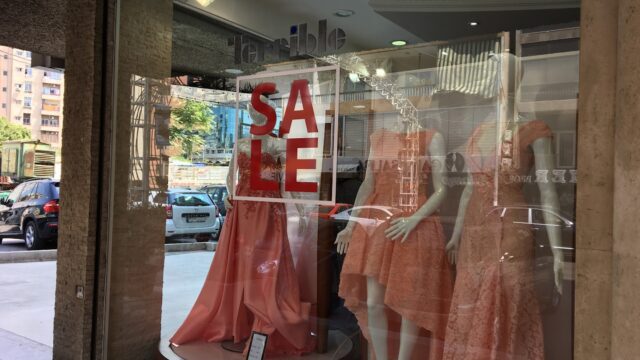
x: 30, y: 212
x: 327, y: 211
x: 191, y: 213
x: 535, y: 218
x: 548, y: 297
x: 217, y: 193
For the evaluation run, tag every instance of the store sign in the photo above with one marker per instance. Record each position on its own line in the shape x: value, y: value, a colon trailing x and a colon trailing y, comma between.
x: 300, y: 43
x: 303, y: 124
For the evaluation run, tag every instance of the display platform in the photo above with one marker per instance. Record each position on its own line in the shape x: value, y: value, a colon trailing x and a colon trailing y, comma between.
x: 339, y: 346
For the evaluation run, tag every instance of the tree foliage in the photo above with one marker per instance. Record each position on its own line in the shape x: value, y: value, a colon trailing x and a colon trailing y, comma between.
x: 9, y: 131
x: 190, y: 124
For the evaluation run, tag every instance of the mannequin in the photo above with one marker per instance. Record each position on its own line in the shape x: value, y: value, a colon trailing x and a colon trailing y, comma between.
x: 419, y: 228
x: 494, y: 312
x: 252, y: 284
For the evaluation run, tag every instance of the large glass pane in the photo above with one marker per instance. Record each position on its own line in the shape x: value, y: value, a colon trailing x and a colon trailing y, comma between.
x: 350, y: 181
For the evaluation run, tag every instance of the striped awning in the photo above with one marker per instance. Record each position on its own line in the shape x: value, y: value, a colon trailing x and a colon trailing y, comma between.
x: 469, y: 67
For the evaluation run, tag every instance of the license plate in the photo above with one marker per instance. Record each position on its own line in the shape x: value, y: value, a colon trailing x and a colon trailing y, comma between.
x: 196, y: 219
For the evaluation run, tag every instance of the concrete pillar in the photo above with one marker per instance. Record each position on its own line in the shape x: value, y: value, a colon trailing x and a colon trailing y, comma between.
x: 34, y: 25
x: 625, y: 335
x: 81, y: 209
x: 594, y: 220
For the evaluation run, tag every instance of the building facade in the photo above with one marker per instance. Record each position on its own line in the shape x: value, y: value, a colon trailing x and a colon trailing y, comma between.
x: 32, y: 97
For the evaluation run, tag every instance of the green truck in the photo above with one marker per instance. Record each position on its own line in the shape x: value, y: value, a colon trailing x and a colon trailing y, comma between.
x: 26, y: 159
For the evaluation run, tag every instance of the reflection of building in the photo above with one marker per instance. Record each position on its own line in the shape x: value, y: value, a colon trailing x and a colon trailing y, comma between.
x: 31, y: 96
x: 149, y: 165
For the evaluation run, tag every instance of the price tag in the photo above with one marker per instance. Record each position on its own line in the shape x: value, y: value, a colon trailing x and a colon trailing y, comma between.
x: 257, y: 346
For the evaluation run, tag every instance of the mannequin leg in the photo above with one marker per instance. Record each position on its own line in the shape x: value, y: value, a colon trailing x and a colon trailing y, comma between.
x: 408, y: 337
x: 378, y: 324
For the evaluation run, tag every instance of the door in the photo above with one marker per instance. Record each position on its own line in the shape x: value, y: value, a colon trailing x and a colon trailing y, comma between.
x: 6, y: 210
x: 15, y: 216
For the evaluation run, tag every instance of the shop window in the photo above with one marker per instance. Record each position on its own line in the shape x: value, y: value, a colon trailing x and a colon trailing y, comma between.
x: 377, y: 185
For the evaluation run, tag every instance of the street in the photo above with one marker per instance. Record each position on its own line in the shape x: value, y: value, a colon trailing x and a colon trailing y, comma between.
x: 12, y: 245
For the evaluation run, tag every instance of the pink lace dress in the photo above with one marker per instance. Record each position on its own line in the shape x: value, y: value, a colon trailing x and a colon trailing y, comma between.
x: 494, y: 311
x: 252, y: 285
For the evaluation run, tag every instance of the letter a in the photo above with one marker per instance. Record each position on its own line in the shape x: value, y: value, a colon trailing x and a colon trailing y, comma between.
x: 299, y: 88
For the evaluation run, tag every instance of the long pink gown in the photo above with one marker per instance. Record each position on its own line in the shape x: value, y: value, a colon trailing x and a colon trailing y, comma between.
x: 494, y: 311
x: 252, y: 285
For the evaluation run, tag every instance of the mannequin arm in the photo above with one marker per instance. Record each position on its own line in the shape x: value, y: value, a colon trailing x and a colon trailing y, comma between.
x: 232, y: 163
x: 402, y: 227
x: 543, y: 153
x: 342, y: 239
x: 454, y: 242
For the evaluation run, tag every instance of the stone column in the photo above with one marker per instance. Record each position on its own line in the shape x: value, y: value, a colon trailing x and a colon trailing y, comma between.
x: 594, y: 209
x: 81, y: 205
x: 625, y: 333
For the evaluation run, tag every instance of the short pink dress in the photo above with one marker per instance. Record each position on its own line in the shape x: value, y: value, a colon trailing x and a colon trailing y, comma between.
x: 252, y: 285
x: 416, y: 273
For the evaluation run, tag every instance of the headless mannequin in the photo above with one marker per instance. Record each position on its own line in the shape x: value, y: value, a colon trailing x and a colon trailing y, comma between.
x: 398, y: 231
x: 544, y: 160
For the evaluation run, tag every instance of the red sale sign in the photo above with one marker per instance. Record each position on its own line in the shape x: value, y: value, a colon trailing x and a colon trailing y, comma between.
x: 298, y: 108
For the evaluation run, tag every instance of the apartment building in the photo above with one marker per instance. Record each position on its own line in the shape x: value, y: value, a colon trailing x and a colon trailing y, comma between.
x: 31, y: 97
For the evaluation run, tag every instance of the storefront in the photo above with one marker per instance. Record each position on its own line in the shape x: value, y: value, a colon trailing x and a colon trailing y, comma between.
x: 402, y: 182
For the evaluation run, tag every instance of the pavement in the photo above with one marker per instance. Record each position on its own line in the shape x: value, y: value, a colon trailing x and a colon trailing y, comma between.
x: 28, y: 293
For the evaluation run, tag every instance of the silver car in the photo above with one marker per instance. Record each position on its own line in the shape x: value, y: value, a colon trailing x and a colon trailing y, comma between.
x: 191, y: 213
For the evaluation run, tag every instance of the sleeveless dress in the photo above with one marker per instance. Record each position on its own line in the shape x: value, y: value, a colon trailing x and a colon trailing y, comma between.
x: 252, y: 285
x: 416, y: 273
x: 494, y: 312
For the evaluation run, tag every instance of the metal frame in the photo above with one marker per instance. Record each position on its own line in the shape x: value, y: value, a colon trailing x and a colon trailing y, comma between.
x: 334, y: 143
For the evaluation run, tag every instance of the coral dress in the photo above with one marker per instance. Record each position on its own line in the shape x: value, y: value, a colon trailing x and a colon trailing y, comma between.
x: 416, y: 273
x: 252, y: 285
x: 494, y: 311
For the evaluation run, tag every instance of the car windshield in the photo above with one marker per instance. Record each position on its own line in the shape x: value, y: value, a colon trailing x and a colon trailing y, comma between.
x: 191, y: 199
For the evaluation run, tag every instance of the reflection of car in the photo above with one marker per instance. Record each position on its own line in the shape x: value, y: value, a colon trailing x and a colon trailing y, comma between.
x: 191, y: 212
x: 378, y: 215
x: 534, y: 217
x: 217, y: 193
x: 328, y: 211
x: 30, y: 212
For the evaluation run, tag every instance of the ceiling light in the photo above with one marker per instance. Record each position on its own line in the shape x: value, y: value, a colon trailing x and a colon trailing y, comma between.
x: 354, y: 77
x: 234, y: 71
x: 205, y: 3
x: 398, y: 43
x: 473, y: 23
x: 344, y: 13
x: 359, y: 107
x: 380, y: 72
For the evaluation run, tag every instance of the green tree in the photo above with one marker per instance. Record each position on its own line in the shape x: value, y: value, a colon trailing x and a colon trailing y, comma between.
x: 9, y: 131
x: 190, y: 124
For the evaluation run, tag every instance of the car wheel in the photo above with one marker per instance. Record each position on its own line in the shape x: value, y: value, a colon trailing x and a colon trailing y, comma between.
x: 31, y: 237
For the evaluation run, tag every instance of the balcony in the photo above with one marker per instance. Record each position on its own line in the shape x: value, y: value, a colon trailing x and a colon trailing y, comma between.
x: 49, y: 96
